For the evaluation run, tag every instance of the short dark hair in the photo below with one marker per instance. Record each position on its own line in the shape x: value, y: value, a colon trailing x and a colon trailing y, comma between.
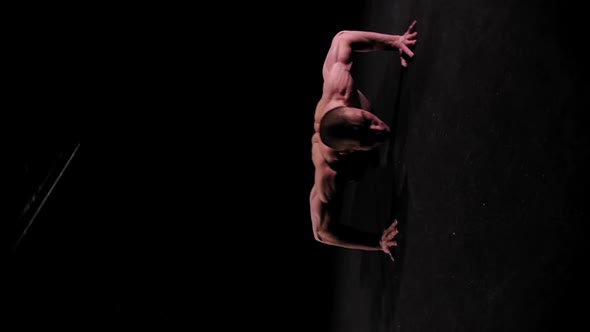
x: 335, y: 128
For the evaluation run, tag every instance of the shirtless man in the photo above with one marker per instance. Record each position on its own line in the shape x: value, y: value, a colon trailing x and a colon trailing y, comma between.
x: 345, y: 127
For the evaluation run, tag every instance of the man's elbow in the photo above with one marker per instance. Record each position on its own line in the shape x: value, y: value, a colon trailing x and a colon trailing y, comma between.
x: 341, y: 36
x: 321, y: 236
x: 316, y: 236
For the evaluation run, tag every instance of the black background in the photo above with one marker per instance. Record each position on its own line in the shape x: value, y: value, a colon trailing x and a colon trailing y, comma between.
x: 187, y: 201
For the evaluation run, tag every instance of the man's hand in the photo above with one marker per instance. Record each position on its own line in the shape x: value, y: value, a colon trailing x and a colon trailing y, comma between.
x: 404, y: 41
x: 387, y: 239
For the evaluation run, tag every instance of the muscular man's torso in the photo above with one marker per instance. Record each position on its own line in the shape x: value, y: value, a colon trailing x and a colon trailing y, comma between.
x: 332, y: 166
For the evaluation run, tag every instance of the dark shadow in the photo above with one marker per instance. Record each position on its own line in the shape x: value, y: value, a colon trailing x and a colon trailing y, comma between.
x: 378, y: 272
x: 400, y: 200
x: 393, y: 277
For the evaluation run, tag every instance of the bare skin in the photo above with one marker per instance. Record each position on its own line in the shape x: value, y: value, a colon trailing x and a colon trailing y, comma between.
x: 339, y: 90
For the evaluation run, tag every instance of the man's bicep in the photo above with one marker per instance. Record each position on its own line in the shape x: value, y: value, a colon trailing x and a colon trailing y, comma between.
x: 339, y: 52
x: 338, y: 81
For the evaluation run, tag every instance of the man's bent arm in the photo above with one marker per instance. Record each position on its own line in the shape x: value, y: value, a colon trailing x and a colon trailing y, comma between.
x: 327, y: 231
x: 346, y: 42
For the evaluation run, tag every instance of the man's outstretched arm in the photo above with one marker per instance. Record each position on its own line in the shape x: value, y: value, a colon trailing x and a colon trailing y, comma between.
x: 346, y: 42
x: 329, y: 232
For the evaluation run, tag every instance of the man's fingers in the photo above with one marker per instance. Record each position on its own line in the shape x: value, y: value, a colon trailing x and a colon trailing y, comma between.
x: 392, y: 234
x: 412, y: 26
x: 406, y: 49
x: 387, y: 243
x: 390, y: 256
x: 392, y: 226
x: 411, y: 39
x: 388, y: 252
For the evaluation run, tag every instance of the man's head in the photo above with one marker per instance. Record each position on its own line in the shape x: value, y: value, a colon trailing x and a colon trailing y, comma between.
x: 349, y: 129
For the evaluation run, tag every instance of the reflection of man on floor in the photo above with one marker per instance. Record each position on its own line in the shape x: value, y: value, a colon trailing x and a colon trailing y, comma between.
x: 345, y: 134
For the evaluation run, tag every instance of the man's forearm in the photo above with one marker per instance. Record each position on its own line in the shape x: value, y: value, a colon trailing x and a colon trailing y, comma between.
x: 326, y: 229
x: 366, y: 41
x: 348, y: 237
